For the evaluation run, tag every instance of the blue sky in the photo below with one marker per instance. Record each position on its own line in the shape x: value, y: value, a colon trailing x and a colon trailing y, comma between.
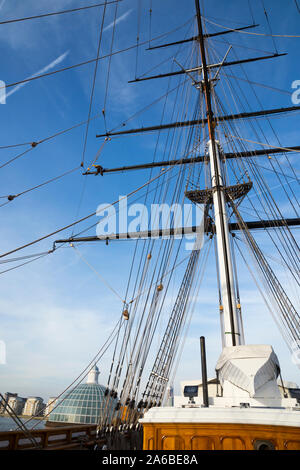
x: 55, y: 313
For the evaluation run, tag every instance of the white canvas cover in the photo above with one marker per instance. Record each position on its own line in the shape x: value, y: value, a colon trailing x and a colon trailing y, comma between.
x: 248, y: 367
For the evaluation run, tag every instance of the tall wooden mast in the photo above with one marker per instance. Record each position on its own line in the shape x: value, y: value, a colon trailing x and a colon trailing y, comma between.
x: 231, y: 334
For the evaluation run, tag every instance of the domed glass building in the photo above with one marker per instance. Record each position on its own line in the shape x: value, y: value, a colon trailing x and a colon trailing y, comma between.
x: 84, y: 404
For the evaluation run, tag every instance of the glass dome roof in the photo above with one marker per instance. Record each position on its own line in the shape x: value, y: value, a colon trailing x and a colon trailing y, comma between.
x: 84, y: 404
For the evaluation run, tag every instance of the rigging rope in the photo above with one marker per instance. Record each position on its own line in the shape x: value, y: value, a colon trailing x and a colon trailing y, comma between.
x: 282, y: 327
x: 276, y: 172
x: 251, y: 12
x: 109, y: 66
x: 90, y: 61
x: 80, y: 220
x: 285, y: 149
x: 23, y: 264
x: 265, y: 191
x: 226, y: 134
x: 17, y: 420
x: 150, y: 21
x: 192, y: 301
x: 88, y: 7
x: 138, y: 36
x: 251, y: 33
x: 269, y: 25
x: 33, y: 145
x: 12, y: 197
x: 86, y: 370
x: 256, y: 83
x: 93, y: 85
x: 288, y: 312
x: 90, y: 111
x: 289, y: 315
x: 159, y: 369
x: 97, y: 273
x: 153, y: 303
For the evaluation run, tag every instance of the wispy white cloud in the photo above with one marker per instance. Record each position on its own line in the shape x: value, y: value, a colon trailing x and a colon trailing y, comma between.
x: 118, y: 20
x: 48, y: 67
x: 2, y: 4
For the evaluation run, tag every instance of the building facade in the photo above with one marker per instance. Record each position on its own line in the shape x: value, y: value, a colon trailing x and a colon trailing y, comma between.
x: 50, y: 405
x: 34, y: 406
x: 16, y: 404
x: 4, y: 401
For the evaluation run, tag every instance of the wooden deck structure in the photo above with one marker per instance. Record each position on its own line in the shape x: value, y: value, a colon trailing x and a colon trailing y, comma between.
x: 219, y: 436
x: 58, y: 438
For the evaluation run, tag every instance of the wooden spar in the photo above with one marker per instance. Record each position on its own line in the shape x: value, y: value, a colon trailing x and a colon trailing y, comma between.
x: 170, y: 232
x: 212, y: 66
x: 188, y: 161
x: 226, y: 117
x: 196, y: 38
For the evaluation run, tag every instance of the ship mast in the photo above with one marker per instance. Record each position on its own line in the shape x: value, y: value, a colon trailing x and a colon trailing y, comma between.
x: 241, y: 371
x: 219, y: 195
x: 231, y: 334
